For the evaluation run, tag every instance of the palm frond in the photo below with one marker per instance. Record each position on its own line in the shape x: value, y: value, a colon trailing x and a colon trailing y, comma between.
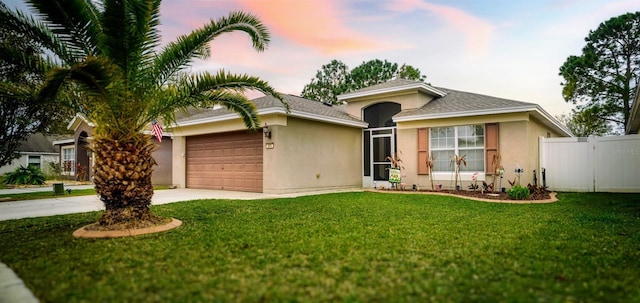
x: 206, y: 90
x: 34, y: 30
x: 74, y: 22
x: 179, y: 54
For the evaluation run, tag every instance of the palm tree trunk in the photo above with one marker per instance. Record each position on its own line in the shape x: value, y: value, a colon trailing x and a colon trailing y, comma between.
x: 122, y: 177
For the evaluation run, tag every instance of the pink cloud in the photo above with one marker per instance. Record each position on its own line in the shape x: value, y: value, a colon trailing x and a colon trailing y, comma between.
x: 313, y: 24
x: 477, y: 31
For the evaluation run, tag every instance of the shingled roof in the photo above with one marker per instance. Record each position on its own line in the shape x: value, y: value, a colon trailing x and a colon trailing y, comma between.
x: 455, y: 102
x: 299, y: 107
x: 37, y: 143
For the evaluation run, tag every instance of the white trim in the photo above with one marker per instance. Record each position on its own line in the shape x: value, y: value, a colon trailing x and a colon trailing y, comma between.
x: 466, y: 113
x: 494, y: 111
x: 275, y: 110
x: 39, y: 153
x: 83, y: 118
x: 164, y: 134
x: 553, y: 121
x: 64, y: 141
x: 634, y: 114
x: 422, y: 87
x: 464, y: 176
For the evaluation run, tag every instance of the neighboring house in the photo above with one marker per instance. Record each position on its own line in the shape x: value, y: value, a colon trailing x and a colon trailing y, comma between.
x: 38, y: 151
x: 76, y: 159
x: 633, y: 125
x: 318, y: 146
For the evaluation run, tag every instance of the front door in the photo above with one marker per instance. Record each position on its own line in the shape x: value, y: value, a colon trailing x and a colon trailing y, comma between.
x: 379, y: 142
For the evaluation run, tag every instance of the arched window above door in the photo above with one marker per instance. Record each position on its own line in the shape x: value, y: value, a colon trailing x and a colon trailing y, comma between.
x: 380, y: 114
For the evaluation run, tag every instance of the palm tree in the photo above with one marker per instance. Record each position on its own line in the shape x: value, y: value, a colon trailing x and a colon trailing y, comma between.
x: 107, y: 53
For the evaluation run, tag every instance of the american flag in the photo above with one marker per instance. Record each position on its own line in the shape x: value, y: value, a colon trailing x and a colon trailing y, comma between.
x: 156, y: 129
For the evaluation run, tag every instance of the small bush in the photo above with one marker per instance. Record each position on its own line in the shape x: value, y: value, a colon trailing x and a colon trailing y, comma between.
x: 25, y: 175
x: 518, y: 192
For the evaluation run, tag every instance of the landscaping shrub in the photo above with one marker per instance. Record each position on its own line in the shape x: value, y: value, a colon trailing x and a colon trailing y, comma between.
x: 29, y: 175
x: 518, y: 192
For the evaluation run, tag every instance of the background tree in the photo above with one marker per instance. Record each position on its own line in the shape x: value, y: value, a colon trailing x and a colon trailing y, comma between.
x: 109, y: 56
x: 21, y: 112
x: 584, y: 124
x: 330, y: 81
x: 602, y: 80
x: 335, y: 78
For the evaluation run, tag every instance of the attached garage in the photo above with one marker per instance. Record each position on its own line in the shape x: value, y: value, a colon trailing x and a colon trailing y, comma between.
x: 225, y: 161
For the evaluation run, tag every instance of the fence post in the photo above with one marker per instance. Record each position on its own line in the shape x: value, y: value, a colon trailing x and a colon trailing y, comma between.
x: 541, y: 153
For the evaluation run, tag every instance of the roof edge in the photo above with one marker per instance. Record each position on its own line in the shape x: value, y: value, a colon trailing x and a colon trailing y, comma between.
x: 516, y: 109
x: 422, y: 87
x: 275, y: 110
x: 506, y: 110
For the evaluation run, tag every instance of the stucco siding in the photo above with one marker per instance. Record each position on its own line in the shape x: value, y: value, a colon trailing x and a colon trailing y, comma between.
x: 514, y: 150
x: 407, y: 146
x: 162, y: 172
x: 178, y: 161
x: 308, y: 155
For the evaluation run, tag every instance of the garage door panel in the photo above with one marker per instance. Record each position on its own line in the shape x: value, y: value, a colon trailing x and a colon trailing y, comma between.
x: 229, y: 161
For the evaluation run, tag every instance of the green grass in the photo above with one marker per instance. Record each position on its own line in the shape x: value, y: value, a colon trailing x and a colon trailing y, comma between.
x: 356, y: 247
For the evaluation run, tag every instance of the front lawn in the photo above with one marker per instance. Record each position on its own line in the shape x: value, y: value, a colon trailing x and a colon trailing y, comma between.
x: 344, y: 247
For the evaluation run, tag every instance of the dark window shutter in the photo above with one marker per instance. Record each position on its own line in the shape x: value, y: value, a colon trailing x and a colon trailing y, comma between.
x: 491, y: 147
x: 423, y: 150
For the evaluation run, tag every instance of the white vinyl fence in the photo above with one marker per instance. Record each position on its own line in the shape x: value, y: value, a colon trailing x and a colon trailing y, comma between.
x: 600, y: 164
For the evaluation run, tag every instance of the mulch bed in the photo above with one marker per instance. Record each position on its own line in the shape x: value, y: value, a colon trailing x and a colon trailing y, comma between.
x: 536, y: 195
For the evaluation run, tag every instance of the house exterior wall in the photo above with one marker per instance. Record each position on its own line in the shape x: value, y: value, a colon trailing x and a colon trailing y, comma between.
x: 24, y: 161
x: 162, y: 172
x: 309, y: 155
x: 178, y: 159
x: 518, y: 137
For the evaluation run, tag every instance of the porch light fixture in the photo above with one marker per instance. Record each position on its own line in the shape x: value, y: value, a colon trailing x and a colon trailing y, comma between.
x: 266, y: 131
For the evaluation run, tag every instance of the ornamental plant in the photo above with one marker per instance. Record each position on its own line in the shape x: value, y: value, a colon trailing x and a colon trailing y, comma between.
x: 29, y: 175
x: 518, y: 192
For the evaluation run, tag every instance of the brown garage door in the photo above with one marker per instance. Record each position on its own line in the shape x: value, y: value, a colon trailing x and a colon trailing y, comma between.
x: 228, y: 161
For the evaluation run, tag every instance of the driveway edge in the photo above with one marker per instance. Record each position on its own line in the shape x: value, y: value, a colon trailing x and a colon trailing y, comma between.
x: 12, y: 288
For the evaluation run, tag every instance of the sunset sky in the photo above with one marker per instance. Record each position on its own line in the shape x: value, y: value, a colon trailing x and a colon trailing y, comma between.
x: 502, y: 48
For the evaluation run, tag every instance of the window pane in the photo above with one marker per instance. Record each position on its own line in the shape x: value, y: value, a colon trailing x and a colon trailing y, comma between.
x: 442, y: 160
x: 475, y: 160
x: 367, y: 153
x: 34, y: 161
x: 381, y: 172
x: 381, y: 149
x: 462, y: 140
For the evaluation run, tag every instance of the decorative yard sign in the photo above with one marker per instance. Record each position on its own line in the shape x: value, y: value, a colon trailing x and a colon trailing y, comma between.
x: 394, y: 175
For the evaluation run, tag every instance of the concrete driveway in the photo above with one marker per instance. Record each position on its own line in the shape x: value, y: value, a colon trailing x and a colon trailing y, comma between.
x: 60, y: 205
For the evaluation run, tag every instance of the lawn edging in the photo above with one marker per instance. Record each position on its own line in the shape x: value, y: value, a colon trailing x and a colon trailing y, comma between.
x: 553, y: 196
x: 92, y: 234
